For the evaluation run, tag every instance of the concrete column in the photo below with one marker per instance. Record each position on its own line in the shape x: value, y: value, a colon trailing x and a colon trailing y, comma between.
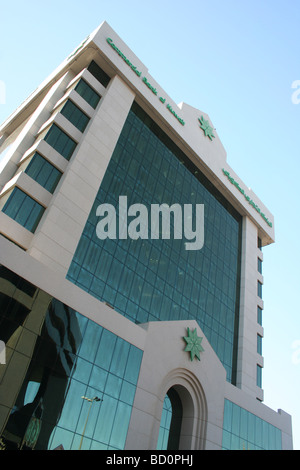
x: 248, y: 358
x: 27, y: 136
x: 60, y: 229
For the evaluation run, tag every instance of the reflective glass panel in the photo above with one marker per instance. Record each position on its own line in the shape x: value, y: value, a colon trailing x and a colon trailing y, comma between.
x: 158, y: 279
x: 67, y: 381
x: 87, y: 93
x: 77, y: 117
x: 43, y: 172
x: 259, y: 289
x: 60, y: 141
x: 23, y: 209
x: 259, y: 376
x: 259, y: 315
x: 165, y: 423
x: 243, y: 430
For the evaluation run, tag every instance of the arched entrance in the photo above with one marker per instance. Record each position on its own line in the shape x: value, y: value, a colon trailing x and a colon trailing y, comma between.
x: 184, y: 413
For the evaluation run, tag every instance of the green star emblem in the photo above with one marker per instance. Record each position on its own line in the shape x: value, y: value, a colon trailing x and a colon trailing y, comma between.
x: 193, y: 344
x: 206, y: 127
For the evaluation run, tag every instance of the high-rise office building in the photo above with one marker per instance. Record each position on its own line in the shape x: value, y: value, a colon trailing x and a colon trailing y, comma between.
x: 131, y: 270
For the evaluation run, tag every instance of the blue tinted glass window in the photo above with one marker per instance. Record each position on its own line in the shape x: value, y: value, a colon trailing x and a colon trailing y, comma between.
x: 64, y: 358
x: 23, y: 209
x: 243, y: 430
x: 148, y: 279
x: 259, y: 376
x: 259, y: 315
x: 259, y: 344
x: 165, y: 423
x: 77, y: 117
x: 259, y: 265
x: 43, y: 172
x: 259, y: 243
x: 87, y: 93
x: 98, y: 73
x: 259, y: 289
x: 60, y: 141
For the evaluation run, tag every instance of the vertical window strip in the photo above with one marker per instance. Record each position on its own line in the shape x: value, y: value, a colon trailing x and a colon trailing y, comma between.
x: 165, y: 423
x: 259, y: 243
x: 259, y: 376
x: 259, y: 265
x: 259, y: 344
x: 259, y: 316
x: 259, y: 289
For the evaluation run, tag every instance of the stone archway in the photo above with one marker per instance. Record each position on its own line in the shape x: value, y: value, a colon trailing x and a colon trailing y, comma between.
x: 190, y: 433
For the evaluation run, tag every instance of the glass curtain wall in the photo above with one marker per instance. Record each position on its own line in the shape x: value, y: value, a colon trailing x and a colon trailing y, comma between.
x: 148, y: 279
x: 243, y: 430
x: 55, y: 356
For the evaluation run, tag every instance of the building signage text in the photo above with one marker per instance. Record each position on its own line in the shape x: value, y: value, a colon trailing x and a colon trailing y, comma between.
x: 248, y: 198
x: 208, y: 130
x: 78, y: 48
x: 145, y: 80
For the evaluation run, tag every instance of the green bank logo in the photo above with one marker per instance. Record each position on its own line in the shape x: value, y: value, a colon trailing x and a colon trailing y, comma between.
x: 145, y: 80
x: 193, y: 344
x: 206, y: 127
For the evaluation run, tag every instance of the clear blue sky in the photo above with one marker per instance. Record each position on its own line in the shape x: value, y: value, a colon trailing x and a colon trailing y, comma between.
x: 234, y: 59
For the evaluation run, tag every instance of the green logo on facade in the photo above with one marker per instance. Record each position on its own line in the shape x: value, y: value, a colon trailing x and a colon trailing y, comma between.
x: 193, y: 344
x: 206, y: 127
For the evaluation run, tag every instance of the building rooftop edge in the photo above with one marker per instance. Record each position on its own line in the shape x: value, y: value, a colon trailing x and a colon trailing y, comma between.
x: 192, y: 127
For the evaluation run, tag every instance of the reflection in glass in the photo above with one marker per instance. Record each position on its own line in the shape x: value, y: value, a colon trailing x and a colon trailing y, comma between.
x: 243, y: 430
x: 147, y: 280
x: 165, y: 423
x: 23, y: 209
x: 56, y: 356
x: 171, y: 421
